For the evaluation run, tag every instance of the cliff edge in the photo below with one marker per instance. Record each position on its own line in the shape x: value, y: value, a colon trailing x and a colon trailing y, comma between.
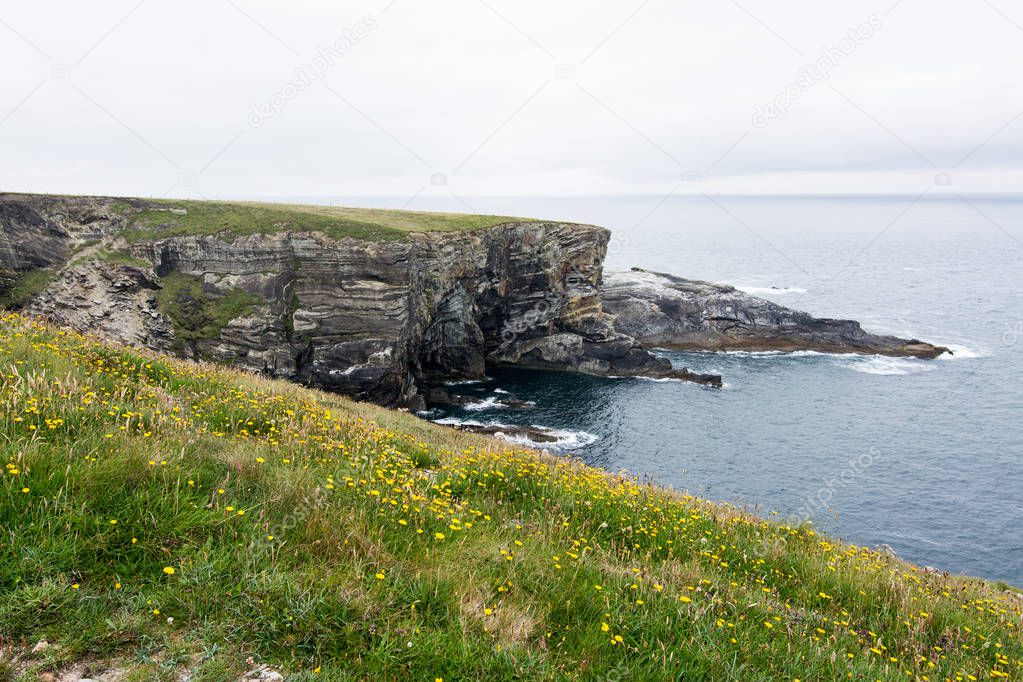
x: 378, y: 305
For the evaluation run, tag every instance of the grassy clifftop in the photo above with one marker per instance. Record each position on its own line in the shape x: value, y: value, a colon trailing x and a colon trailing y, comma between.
x: 158, y: 516
x: 174, y: 217
x: 146, y: 218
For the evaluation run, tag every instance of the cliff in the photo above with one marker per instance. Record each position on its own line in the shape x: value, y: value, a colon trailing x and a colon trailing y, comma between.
x: 380, y: 305
x: 364, y: 308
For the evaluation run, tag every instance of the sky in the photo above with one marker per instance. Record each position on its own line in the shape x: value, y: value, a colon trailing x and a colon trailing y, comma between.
x: 397, y: 98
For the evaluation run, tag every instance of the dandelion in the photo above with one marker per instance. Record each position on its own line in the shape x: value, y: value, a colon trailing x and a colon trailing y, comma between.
x: 169, y: 570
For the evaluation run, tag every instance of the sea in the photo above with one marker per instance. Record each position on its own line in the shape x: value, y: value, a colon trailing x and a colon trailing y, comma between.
x: 924, y: 456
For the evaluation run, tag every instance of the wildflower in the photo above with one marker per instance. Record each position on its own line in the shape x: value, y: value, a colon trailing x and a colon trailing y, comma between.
x: 380, y: 576
x: 169, y: 570
x: 439, y: 535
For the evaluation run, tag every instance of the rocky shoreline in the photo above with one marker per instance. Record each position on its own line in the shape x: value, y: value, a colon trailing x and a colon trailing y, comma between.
x: 386, y: 320
x: 666, y: 311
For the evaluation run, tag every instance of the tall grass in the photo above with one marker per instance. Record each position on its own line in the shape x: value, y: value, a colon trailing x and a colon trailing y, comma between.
x: 163, y: 516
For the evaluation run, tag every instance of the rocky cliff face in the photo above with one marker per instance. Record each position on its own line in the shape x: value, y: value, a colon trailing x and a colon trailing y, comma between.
x: 389, y: 319
x: 378, y: 320
x: 666, y: 311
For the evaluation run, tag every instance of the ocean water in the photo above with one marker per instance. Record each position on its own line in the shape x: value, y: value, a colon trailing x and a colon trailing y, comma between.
x: 924, y: 456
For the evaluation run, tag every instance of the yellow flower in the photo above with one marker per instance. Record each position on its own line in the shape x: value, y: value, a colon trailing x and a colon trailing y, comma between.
x: 380, y: 576
x: 169, y: 570
x: 604, y: 627
x: 439, y: 536
x: 684, y: 599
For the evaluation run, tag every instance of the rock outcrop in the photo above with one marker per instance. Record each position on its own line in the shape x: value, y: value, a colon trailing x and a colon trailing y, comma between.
x: 660, y: 310
x: 385, y: 319
x: 377, y: 320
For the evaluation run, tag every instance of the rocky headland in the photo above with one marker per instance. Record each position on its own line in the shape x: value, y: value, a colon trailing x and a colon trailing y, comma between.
x: 665, y: 311
x: 385, y: 306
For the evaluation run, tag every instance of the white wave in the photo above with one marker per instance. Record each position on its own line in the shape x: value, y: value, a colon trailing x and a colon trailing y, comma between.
x: 771, y: 291
x: 962, y: 352
x: 760, y: 353
x: 882, y: 365
x: 501, y: 391
x: 454, y: 421
x: 659, y: 380
x: 488, y: 403
x: 564, y: 439
x: 465, y: 382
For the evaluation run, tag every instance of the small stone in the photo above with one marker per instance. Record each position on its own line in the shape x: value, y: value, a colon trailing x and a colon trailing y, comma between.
x: 47, y: 677
x: 41, y: 646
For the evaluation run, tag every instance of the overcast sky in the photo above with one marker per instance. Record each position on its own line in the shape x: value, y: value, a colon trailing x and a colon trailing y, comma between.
x: 260, y: 98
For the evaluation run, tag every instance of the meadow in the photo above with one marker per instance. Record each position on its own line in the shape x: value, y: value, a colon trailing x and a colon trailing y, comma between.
x: 160, y: 516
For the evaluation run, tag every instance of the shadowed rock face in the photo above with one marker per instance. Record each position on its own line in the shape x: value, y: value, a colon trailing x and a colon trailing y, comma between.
x: 661, y: 310
x: 377, y: 320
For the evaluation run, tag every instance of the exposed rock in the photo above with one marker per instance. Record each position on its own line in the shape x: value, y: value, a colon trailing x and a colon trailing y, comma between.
x: 376, y: 320
x: 661, y: 310
x: 262, y: 674
x: 117, y: 302
x: 388, y: 320
x: 40, y: 647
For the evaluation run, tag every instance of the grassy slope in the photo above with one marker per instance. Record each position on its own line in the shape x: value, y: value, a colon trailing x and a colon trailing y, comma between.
x: 317, y: 534
x: 240, y: 217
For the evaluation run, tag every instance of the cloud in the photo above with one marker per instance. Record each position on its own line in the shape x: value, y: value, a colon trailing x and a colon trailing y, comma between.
x: 505, y: 97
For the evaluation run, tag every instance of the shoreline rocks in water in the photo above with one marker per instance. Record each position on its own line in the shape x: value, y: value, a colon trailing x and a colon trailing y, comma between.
x: 661, y: 310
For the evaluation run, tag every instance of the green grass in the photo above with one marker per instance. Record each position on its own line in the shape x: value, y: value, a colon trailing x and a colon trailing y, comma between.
x: 197, y: 316
x: 165, y: 218
x: 22, y: 287
x: 112, y: 257
x: 335, y: 540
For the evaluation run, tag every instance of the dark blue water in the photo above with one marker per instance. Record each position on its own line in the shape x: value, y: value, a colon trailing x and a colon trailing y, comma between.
x: 925, y: 456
